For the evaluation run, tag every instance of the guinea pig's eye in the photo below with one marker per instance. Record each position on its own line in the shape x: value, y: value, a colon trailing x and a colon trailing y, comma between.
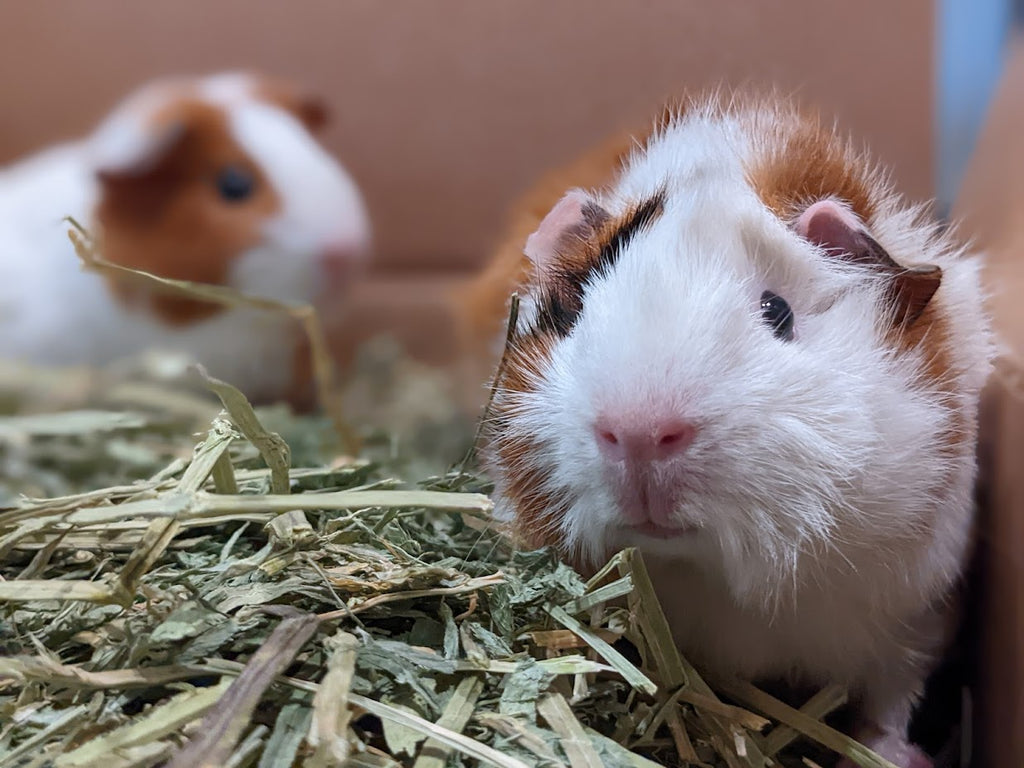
x: 776, y: 312
x: 235, y: 184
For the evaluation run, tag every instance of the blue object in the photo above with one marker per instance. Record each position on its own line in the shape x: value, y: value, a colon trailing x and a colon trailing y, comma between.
x: 971, y: 42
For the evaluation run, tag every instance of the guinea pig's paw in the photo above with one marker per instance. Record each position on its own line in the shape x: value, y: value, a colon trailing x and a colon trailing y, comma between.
x: 896, y: 750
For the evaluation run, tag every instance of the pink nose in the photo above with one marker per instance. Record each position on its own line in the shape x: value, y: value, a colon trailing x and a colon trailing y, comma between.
x: 643, y: 439
x: 340, y: 262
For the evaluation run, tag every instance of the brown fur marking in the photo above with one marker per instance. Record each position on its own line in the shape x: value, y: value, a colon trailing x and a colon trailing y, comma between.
x: 594, y: 244
x: 806, y: 162
x: 536, y: 520
x: 171, y: 221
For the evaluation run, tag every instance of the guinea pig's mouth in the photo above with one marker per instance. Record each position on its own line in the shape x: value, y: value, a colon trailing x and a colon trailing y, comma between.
x: 648, y: 507
x: 654, y: 530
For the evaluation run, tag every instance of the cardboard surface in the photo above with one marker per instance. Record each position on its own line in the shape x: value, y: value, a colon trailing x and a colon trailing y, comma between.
x: 991, y: 207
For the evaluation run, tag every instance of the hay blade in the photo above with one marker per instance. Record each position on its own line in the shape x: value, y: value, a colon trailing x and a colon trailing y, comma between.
x: 160, y: 533
x: 624, y: 756
x: 433, y: 753
x: 202, y: 505
x: 464, y: 744
x: 578, y: 748
x: 304, y: 314
x: 675, y: 670
x: 222, y: 728
x: 753, y: 697
x: 328, y: 731
x: 630, y: 673
x: 654, y: 626
x: 618, y: 588
x: 25, y: 669
x: 272, y: 447
x: 31, y: 590
x: 821, y: 704
x: 284, y: 741
x: 738, y: 715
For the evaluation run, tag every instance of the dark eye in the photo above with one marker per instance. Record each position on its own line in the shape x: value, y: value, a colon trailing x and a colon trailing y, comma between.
x: 235, y: 184
x: 776, y: 312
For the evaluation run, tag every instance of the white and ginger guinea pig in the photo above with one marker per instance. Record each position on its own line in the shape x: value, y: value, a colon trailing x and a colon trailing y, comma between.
x: 217, y: 180
x: 748, y: 357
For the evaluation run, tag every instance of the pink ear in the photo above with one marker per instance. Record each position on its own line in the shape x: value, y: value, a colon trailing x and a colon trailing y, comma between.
x: 832, y: 226
x: 575, y: 215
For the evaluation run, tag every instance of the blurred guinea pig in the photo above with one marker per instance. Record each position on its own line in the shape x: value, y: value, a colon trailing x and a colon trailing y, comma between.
x: 215, y: 179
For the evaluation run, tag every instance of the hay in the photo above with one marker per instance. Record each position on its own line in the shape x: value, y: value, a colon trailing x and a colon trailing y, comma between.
x: 191, y: 583
x: 232, y: 608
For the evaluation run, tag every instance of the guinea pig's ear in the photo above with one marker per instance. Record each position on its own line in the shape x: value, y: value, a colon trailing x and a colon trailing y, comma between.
x: 304, y: 104
x: 834, y: 227
x: 576, y: 217
x: 312, y: 111
x: 129, y: 148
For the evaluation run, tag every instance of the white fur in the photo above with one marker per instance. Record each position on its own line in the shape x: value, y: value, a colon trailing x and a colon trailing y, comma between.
x: 831, y: 524
x: 53, y: 312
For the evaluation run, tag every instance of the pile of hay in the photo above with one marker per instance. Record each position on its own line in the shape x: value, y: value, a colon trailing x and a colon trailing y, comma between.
x: 223, y: 599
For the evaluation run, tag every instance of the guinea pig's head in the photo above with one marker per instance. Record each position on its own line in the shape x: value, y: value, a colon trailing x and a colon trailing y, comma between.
x: 716, y: 358
x: 220, y: 180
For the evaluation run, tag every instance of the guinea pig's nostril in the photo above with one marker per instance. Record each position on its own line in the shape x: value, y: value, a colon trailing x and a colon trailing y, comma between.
x: 674, y: 436
x: 609, y: 438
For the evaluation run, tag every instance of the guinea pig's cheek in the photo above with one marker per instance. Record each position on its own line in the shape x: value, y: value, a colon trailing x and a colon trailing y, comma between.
x: 265, y: 270
x: 338, y: 266
x: 588, y: 527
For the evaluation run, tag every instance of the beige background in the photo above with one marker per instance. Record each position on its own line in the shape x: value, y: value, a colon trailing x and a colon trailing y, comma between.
x: 447, y: 108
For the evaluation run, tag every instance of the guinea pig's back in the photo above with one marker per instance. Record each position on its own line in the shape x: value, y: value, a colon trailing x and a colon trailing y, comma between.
x: 50, y: 183
x: 42, y: 287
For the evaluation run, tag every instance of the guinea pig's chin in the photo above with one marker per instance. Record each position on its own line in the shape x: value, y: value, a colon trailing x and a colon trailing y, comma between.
x: 681, y: 541
x: 599, y: 531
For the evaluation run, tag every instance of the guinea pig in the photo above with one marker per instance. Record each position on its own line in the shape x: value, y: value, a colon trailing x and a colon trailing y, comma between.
x: 215, y: 179
x: 746, y: 355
